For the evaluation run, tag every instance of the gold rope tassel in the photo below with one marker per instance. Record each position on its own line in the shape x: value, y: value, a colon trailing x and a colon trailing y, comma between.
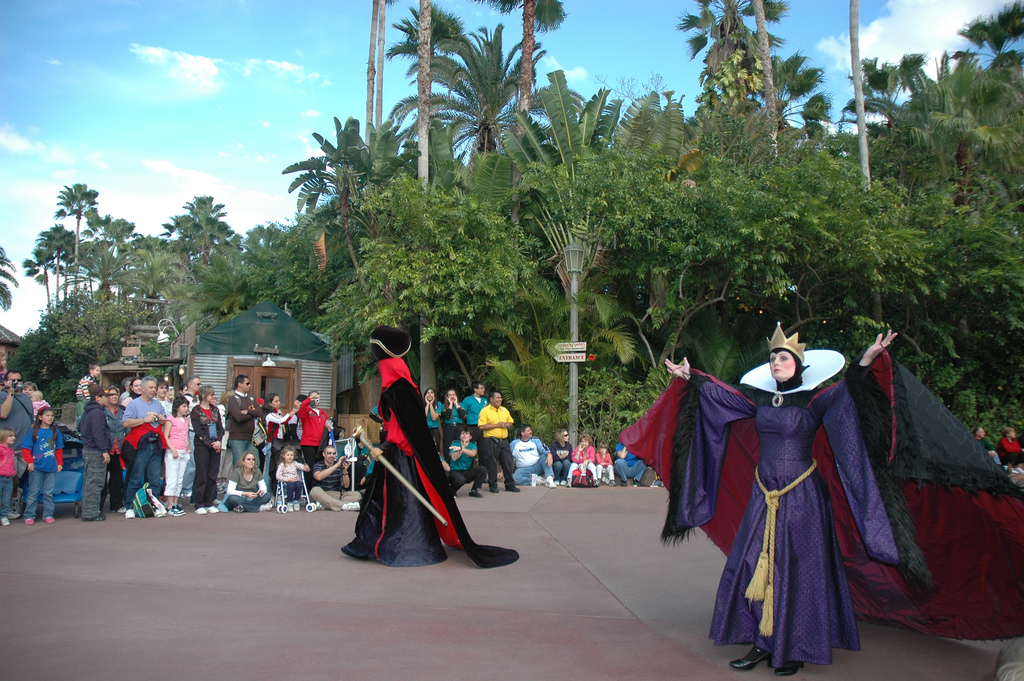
x: 762, y: 583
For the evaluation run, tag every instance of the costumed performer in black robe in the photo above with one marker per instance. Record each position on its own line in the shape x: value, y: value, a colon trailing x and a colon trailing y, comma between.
x: 393, y: 527
x: 879, y: 441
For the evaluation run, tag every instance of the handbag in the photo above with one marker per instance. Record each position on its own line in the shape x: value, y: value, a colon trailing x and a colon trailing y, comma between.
x: 582, y: 478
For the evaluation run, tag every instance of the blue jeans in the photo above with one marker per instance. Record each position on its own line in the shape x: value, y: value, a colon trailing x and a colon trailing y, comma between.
x: 238, y: 447
x: 523, y: 473
x: 560, y: 468
x: 625, y: 471
x: 6, y: 490
x: 250, y: 505
x: 46, y: 481
x: 145, y: 468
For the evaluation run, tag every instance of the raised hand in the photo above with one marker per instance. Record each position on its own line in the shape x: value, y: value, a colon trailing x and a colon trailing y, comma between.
x: 875, y: 349
x: 680, y: 370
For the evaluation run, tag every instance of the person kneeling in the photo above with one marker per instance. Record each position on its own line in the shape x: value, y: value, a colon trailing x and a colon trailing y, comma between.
x: 332, y: 484
x: 246, y: 491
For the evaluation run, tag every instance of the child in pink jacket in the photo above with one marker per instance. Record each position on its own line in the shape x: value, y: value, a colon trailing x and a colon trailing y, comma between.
x: 583, y: 457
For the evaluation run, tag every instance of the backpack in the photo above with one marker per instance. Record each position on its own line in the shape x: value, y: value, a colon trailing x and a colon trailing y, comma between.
x: 648, y: 477
x: 140, y: 504
x: 582, y: 478
x: 259, y: 434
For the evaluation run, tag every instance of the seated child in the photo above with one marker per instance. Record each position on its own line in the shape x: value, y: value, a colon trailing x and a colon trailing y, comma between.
x: 605, y: 465
x: 288, y: 475
x: 583, y: 458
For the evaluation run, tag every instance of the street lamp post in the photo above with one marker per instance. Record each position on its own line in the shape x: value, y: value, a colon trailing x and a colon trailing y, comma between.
x: 574, y: 253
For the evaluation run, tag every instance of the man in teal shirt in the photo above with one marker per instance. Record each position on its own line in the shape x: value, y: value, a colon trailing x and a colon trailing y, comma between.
x: 473, y: 404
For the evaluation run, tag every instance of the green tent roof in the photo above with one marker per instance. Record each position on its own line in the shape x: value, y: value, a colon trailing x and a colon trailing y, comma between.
x: 265, y: 325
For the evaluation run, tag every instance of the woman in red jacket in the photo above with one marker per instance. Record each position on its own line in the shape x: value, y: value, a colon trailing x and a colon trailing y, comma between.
x: 1009, y: 448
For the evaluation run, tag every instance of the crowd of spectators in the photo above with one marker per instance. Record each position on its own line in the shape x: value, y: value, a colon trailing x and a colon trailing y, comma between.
x: 140, y: 441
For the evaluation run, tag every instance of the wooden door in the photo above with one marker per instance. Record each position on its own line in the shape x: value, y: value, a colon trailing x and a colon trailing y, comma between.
x: 280, y: 380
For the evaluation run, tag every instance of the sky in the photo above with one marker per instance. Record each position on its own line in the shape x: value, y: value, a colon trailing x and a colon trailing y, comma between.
x: 155, y: 102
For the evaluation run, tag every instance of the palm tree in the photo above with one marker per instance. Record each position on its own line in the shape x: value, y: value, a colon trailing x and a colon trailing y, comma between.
x: 858, y: 91
x: 995, y: 33
x: 538, y: 15
x: 766, y: 62
x: 719, y: 26
x: 152, y: 271
x: 106, y: 266
x: 375, y: 72
x: 115, y: 233
x: 201, y: 230
x: 57, y: 242
x: 424, y: 53
x: 886, y: 87
x: 75, y: 200
x: 480, y: 84
x: 445, y: 29
x: 797, y: 95
x: 7, y: 279
x: 38, y: 267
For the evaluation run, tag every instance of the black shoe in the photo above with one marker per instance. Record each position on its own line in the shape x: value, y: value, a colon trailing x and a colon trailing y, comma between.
x: 96, y: 519
x: 755, y: 657
x: 788, y: 669
x: 475, y: 493
x: 493, y: 488
x: 511, y: 488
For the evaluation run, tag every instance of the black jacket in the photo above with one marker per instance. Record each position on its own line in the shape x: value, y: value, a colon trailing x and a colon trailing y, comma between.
x: 94, y: 429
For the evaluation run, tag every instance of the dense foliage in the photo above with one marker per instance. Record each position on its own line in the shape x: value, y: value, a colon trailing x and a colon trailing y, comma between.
x: 699, y: 233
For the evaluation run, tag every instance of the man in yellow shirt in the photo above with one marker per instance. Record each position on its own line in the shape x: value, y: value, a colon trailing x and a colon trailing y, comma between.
x: 494, y: 422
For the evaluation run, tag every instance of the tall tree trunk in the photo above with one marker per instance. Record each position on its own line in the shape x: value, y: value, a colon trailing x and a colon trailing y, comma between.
x: 428, y: 374
x: 371, y: 73
x: 423, y: 54
x: 46, y: 283
x: 78, y: 228
x: 382, y: 24
x: 526, y: 76
x: 858, y: 91
x: 767, y: 72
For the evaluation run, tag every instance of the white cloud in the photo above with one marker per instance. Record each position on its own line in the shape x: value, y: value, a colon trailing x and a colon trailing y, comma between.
x: 199, y: 73
x: 184, y: 174
x: 906, y: 27
x: 265, y: 124
x: 573, y: 76
x: 53, y: 62
x: 96, y: 158
x: 312, y: 113
x: 12, y: 142
x: 282, y: 69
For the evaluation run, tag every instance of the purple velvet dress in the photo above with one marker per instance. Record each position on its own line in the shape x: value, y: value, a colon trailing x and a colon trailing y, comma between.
x: 813, y: 610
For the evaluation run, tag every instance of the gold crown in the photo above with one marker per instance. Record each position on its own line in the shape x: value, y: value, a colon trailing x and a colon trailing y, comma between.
x: 778, y: 341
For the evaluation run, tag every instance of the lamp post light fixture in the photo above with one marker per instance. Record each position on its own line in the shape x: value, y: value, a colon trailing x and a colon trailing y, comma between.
x: 162, y: 337
x: 574, y: 253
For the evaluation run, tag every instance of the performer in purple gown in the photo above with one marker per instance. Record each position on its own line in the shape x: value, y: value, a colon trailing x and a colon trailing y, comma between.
x: 784, y: 587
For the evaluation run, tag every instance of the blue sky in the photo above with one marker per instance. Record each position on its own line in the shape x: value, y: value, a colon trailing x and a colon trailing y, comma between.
x: 155, y: 102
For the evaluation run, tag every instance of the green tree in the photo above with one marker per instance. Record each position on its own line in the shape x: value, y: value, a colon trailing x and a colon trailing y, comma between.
x: 7, y: 279
x: 76, y: 201
x: 38, y: 267
x: 538, y: 15
x: 57, y: 242
x: 201, y: 231
x: 996, y: 33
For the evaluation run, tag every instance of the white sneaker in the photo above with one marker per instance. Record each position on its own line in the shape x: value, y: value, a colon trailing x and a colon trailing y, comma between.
x: 159, y: 514
x: 533, y: 479
x: 350, y: 506
x: 550, y: 482
x: 212, y: 509
x: 4, y: 522
x: 199, y: 511
x: 129, y: 514
x: 267, y: 506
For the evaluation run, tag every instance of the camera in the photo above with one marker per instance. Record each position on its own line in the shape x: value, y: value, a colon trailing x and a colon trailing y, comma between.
x: 15, y: 384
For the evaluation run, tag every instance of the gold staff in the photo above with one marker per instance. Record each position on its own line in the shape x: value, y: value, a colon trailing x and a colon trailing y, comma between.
x: 377, y: 455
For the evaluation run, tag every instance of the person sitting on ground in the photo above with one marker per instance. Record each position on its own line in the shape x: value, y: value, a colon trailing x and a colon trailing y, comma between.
x: 583, y: 459
x: 628, y: 465
x: 561, y: 456
x: 981, y: 436
x: 288, y: 475
x: 332, y: 482
x: 464, y: 464
x: 247, y: 492
x: 1009, y: 449
x: 604, y: 465
x: 533, y: 460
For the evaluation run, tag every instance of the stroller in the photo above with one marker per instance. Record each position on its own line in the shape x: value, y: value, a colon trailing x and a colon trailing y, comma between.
x: 280, y: 499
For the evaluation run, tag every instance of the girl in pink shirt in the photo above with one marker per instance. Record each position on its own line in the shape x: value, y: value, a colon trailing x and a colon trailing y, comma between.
x: 178, y: 454
x: 288, y: 476
x: 583, y: 458
x: 605, y: 465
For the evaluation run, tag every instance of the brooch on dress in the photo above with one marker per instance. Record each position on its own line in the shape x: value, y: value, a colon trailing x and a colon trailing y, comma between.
x: 777, y: 399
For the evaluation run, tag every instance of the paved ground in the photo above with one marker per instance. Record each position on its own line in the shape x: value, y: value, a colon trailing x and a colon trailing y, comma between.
x: 262, y: 596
